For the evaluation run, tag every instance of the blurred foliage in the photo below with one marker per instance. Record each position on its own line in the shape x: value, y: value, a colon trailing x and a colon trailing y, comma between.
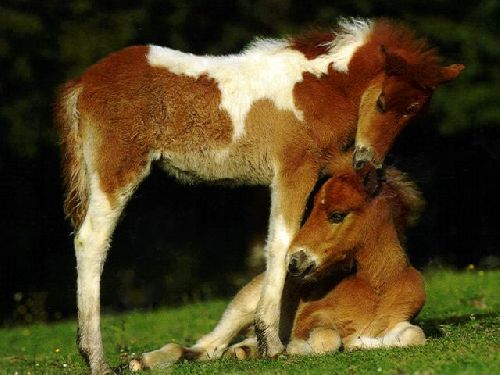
x: 166, y: 251
x: 43, y: 43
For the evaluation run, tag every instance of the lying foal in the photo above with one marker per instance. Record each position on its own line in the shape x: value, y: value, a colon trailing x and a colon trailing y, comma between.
x: 323, y: 308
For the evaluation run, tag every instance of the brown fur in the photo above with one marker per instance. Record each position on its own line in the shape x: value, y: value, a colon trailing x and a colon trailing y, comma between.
x: 122, y: 114
x: 338, y: 304
x: 312, y: 44
x: 406, y: 69
x: 74, y: 169
x: 411, y: 71
x: 116, y: 92
x: 385, y: 290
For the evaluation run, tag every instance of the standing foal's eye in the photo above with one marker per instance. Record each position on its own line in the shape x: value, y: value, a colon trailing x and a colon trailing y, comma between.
x: 381, y: 103
x: 412, y: 108
x: 336, y: 217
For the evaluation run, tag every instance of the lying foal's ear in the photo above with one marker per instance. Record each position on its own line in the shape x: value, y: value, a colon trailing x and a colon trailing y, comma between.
x: 449, y: 73
x: 372, y: 180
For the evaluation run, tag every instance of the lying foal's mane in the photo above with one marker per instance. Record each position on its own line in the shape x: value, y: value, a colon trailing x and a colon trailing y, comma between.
x: 405, y: 199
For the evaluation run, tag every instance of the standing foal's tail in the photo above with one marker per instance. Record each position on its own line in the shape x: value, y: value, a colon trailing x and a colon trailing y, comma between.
x: 74, y: 169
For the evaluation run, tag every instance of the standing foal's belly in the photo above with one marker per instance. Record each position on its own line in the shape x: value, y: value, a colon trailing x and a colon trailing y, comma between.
x: 231, y: 165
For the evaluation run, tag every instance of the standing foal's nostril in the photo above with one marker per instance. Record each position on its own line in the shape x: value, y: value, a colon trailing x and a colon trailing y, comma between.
x: 358, y: 165
x: 292, y: 266
x: 301, y: 264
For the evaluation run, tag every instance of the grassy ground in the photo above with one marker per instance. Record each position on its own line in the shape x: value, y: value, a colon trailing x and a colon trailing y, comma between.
x: 461, y: 320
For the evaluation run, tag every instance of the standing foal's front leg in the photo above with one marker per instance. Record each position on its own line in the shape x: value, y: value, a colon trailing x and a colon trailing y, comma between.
x: 290, y: 190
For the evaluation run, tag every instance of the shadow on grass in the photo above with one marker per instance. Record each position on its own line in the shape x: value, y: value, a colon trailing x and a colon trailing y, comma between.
x: 434, y: 328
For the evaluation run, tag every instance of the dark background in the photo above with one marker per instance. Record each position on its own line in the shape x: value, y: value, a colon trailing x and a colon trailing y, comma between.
x: 183, y: 243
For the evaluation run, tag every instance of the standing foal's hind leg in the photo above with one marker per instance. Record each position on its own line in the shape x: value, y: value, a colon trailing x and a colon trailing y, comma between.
x: 91, y: 246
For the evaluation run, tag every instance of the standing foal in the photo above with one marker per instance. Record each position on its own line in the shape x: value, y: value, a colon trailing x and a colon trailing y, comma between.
x: 277, y: 114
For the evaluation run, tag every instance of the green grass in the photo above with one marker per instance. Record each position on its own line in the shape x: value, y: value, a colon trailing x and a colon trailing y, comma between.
x: 460, y: 319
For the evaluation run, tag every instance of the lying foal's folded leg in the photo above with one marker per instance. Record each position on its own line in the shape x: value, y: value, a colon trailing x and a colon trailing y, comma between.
x: 324, y: 340
x: 404, y: 334
x: 246, y: 349
x: 239, y: 315
x: 163, y: 357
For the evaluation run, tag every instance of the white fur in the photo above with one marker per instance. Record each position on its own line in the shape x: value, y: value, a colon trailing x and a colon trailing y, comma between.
x: 393, y: 337
x: 352, y: 35
x: 281, y: 232
x: 298, y: 347
x: 239, y: 315
x: 91, y: 245
x: 280, y: 239
x: 268, y: 69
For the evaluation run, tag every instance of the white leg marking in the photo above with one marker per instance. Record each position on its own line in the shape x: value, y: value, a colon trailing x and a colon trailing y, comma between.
x: 91, y: 245
x: 270, y: 300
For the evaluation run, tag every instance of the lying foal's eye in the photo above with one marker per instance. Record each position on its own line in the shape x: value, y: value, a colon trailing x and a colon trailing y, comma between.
x: 336, y: 217
x: 381, y: 103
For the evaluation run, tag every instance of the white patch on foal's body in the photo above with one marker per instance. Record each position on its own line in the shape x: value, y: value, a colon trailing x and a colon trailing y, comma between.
x: 268, y: 69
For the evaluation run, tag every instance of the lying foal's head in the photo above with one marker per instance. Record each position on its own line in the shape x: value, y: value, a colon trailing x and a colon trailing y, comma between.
x: 350, y: 210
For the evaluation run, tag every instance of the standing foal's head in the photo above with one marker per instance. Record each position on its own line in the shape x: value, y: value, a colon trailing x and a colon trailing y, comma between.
x: 410, y: 74
x: 350, y: 210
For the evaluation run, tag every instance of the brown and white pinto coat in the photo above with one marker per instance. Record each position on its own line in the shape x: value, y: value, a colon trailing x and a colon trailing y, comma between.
x: 277, y: 114
x: 326, y: 304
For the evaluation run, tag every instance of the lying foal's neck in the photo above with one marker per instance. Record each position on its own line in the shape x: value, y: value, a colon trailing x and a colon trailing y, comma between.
x: 382, y: 256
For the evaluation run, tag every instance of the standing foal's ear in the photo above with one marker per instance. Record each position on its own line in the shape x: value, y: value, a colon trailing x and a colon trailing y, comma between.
x: 393, y: 63
x: 449, y: 73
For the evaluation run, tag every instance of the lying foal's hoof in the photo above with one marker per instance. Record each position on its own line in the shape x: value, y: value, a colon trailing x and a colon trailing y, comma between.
x: 136, y: 365
x: 241, y: 352
x: 413, y: 335
x: 162, y: 357
x: 324, y: 340
x: 245, y: 349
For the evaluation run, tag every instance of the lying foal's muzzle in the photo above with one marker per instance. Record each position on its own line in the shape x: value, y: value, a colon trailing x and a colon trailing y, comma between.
x: 301, y: 264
